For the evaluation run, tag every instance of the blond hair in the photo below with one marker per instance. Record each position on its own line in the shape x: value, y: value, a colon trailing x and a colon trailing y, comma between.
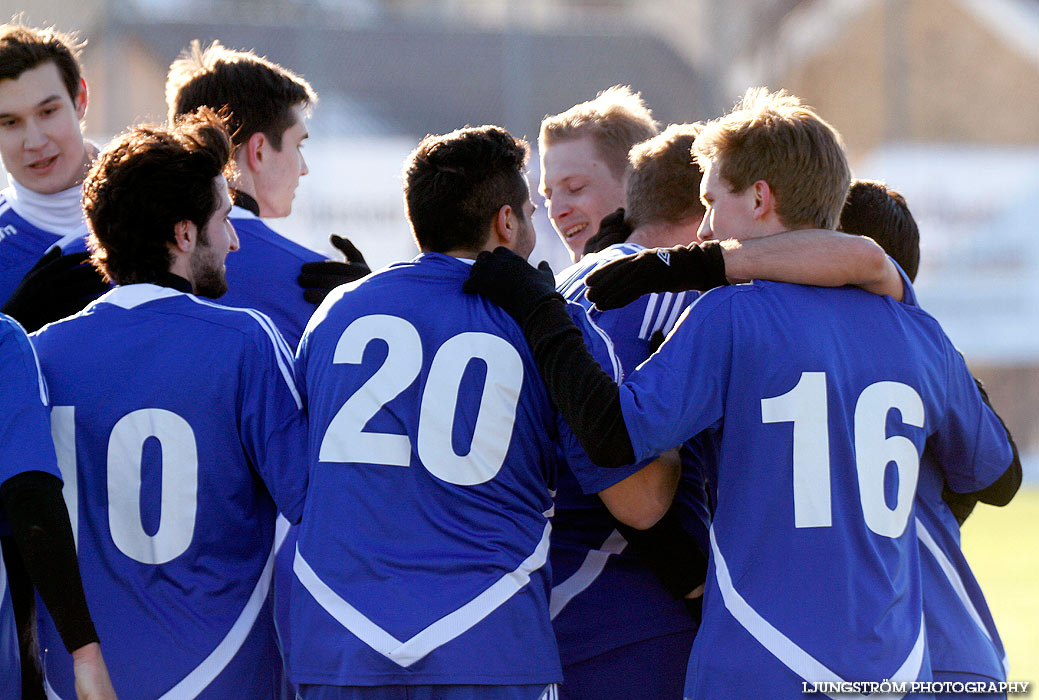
x: 615, y: 120
x: 776, y: 138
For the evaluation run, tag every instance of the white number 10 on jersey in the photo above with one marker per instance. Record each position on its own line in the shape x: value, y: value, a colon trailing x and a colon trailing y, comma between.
x: 805, y: 406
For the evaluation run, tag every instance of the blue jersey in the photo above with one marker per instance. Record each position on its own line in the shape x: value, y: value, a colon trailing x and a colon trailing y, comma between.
x: 961, y: 634
x: 603, y: 596
x: 21, y: 245
x: 25, y: 445
x: 262, y: 274
x: 422, y: 556
x: 814, y: 571
x: 179, y: 428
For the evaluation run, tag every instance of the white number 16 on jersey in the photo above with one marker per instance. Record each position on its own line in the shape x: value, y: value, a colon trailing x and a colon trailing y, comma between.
x: 805, y: 406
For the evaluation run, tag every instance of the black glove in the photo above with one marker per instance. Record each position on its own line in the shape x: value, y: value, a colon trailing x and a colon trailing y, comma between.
x: 677, y: 269
x: 57, y: 286
x: 613, y: 229
x: 320, y: 278
x: 509, y: 281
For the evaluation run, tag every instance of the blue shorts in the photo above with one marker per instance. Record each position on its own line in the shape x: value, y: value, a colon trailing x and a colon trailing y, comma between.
x: 428, y: 692
x: 653, y: 669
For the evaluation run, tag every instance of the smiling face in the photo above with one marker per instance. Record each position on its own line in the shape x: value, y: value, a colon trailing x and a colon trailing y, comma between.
x: 579, y: 189
x: 41, y: 144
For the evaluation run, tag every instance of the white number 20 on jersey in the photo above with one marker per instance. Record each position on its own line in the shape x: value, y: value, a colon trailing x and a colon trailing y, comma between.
x: 805, y: 406
x: 345, y: 440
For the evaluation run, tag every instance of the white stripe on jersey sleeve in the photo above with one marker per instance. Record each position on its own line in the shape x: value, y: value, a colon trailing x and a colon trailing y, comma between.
x: 618, y: 370
x: 449, y: 627
x: 675, y: 311
x: 44, y: 396
x: 647, y: 318
x: 281, y: 348
x: 586, y: 574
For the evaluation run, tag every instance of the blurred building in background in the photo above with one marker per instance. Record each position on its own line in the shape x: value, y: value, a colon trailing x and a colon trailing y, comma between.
x: 940, y: 98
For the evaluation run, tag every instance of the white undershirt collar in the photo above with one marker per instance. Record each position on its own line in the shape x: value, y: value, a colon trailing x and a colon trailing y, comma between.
x: 60, y: 213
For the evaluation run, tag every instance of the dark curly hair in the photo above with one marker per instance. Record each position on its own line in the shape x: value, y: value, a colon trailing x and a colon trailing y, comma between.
x: 145, y: 182
x: 454, y: 185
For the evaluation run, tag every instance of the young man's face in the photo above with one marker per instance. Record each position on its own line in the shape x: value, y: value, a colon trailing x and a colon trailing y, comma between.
x: 207, y: 260
x: 41, y: 144
x: 729, y: 214
x: 579, y: 190
x: 276, y: 183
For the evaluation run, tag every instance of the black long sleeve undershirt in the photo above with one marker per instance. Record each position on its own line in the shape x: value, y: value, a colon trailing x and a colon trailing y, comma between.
x: 42, y: 531
x: 586, y: 396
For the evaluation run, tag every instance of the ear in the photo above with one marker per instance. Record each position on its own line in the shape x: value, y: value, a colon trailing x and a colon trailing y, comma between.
x: 185, y: 236
x: 81, y: 100
x: 505, y: 226
x: 764, y: 199
x: 255, y: 150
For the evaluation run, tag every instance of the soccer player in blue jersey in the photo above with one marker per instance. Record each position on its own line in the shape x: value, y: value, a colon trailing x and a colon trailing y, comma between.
x: 962, y: 639
x: 422, y: 559
x: 622, y: 633
x: 814, y: 568
x: 268, y: 106
x: 178, y: 429
x: 663, y: 209
x: 584, y: 165
x: 31, y: 506
x: 43, y: 98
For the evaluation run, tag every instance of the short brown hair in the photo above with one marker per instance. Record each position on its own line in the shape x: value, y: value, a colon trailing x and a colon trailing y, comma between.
x: 875, y: 210
x: 258, y: 94
x: 145, y: 182
x: 455, y: 184
x: 664, y: 184
x: 775, y: 138
x: 616, y: 120
x: 23, y: 48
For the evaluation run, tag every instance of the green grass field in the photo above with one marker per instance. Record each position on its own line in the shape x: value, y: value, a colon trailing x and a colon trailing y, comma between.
x: 1002, y: 546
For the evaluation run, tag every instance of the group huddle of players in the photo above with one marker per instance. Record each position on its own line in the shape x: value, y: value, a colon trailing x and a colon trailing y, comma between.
x: 655, y: 475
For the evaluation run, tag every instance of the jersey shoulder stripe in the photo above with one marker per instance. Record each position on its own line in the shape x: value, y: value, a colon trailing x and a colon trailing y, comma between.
x: 281, y: 349
x: 23, y: 340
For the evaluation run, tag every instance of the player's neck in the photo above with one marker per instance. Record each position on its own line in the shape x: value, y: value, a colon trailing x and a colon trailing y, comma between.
x: 661, y: 234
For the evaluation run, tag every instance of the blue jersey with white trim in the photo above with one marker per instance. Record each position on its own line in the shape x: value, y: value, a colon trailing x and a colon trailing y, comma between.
x: 262, y: 274
x: 961, y: 634
x: 422, y: 556
x: 25, y: 445
x: 180, y: 432
x: 21, y: 245
x: 821, y: 401
x: 603, y: 596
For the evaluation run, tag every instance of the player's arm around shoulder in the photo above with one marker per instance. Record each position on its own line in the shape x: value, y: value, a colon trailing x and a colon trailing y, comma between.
x: 818, y: 257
